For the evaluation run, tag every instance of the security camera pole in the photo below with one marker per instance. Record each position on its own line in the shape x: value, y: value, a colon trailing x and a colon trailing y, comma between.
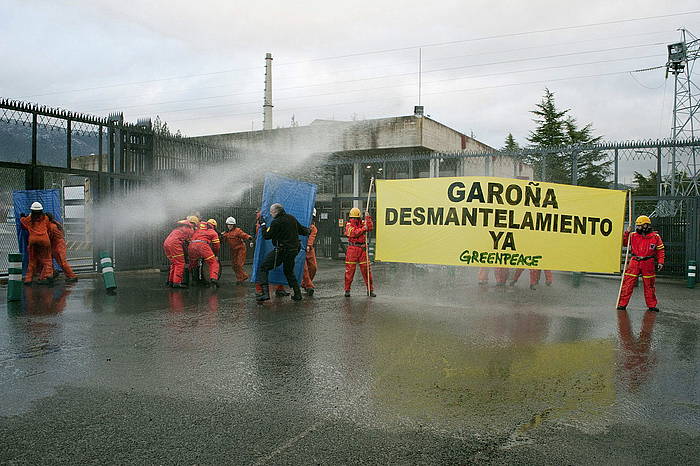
x: 369, y: 266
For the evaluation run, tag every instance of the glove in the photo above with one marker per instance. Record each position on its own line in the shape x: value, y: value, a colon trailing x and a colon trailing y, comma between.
x: 659, y: 267
x: 251, y: 244
x: 263, y: 225
x: 308, y: 248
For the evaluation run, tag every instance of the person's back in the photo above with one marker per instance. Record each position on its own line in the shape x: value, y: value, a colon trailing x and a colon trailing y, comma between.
x: 38, y: 227
x: 284, y: 232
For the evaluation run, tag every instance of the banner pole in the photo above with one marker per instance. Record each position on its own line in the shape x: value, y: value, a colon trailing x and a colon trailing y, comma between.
x: 369, y: 194
x: 627, y: 251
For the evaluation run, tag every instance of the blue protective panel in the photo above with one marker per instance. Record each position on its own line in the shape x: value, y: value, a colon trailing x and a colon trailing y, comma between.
x: 298, y: 199
x: 51, y: 201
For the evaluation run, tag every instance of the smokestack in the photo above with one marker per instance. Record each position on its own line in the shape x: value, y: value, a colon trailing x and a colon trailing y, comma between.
x: 267, y: 105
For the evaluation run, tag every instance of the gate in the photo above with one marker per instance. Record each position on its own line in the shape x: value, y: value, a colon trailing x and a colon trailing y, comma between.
x: 676, y: 219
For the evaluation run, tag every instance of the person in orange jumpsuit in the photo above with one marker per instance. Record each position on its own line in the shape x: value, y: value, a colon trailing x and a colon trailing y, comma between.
x: 535, y: 275
x: 500, y: 273
x: 205, y: 245
x: 174, y: 246
x: 237, y: 240
x: 39, y: 247
x: 310, y: 265
x: 58, y: 248
x: 356, y: 253
x: 280, y: 292
x: 648, y: 256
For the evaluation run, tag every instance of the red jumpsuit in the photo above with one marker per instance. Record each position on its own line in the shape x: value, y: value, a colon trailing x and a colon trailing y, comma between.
x: 205, y: 245
x: 236, y: 240
x: 356, y: 254
x: 258, y: 286
x: 310, y: 266
x: 501, y: 274
x: 39, y: 247
x: 534, y: 276
x: 646, y: 250
x: 58, y: 248
x: 174, y: 246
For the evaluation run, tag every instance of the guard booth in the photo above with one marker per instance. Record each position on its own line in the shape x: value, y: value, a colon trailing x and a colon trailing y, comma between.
x: 330, y: 221
x: 77, y: 202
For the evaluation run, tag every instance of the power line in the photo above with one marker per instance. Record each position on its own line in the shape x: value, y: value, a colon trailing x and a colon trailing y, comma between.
x: 296, y: 109
x: 257, y: 91
x: 406, y: 85
x: 374, y: 52
x: 517, y: 60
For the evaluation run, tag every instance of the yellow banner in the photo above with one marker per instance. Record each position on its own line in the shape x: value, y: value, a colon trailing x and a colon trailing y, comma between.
x: 499, y: 222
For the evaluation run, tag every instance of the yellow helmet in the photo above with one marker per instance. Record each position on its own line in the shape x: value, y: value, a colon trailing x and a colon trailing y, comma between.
x: 642, y: 219
x: 193, y: 219
x: 212, y: 222
x: 355, y: 213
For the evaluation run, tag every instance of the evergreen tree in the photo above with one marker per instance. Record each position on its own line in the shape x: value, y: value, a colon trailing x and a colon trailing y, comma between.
x: 646, y: 185
x: 556, y: 128
x: 550, y: 132
x: 593, y: 168
x: 510, y: 144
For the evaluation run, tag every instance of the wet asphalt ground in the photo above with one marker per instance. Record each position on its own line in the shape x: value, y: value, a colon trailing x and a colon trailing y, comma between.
x: 436, y: 369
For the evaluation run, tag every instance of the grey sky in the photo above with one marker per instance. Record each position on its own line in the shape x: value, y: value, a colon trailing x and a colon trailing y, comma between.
x: 53, y: 46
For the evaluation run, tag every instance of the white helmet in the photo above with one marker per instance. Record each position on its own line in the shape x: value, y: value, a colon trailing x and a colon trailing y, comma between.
x: 230, y: 221
x: 314, y: 211
x: 37, y: 206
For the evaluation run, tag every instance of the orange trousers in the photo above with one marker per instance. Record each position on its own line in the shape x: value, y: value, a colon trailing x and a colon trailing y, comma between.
x: 645, y: 268
x: 534, y: 276
x: 203, y: 251
x: 500, y: 273
x: 58, y: 252
x: 176, y: 255
x: 238, y: 255
x: 354, y: 256
x: 310, y: 267
x: 39, y: 259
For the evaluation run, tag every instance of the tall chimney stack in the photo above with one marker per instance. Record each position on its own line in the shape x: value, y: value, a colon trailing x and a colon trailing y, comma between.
x: 267, y: 106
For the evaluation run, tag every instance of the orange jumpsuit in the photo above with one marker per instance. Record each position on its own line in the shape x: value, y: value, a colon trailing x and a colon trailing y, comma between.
x: 39, y: 247
x: 174, y: 246
x: 205, y: 245
x: 647, y: 250
x: 258, y: 286
x: 236, y: 240
x: 310, y: 266
x: 58, y: 248
x: 356, y: 254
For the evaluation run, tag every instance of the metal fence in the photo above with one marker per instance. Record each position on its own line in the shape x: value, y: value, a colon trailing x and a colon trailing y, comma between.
x: 92, y: 160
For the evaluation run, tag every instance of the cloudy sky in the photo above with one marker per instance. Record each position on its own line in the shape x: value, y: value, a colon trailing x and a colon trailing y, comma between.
x: 199, y: 64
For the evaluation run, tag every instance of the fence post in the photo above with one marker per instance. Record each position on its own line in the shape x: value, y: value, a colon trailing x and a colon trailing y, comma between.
x: 658, y: 171
x: 69, y: 143
x: 617, y: 169
x: 574, y: 167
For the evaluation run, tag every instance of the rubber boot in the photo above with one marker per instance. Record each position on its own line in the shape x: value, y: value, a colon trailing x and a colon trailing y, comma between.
x: 265, y: 296
x: 214, y: 283
x: 297, y: 293
x: 71, y: 280
x: 310, y: 291
x: 281, y: 293
x: 179, y: 285
x: 372, y: 295
x: 347, y: 293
